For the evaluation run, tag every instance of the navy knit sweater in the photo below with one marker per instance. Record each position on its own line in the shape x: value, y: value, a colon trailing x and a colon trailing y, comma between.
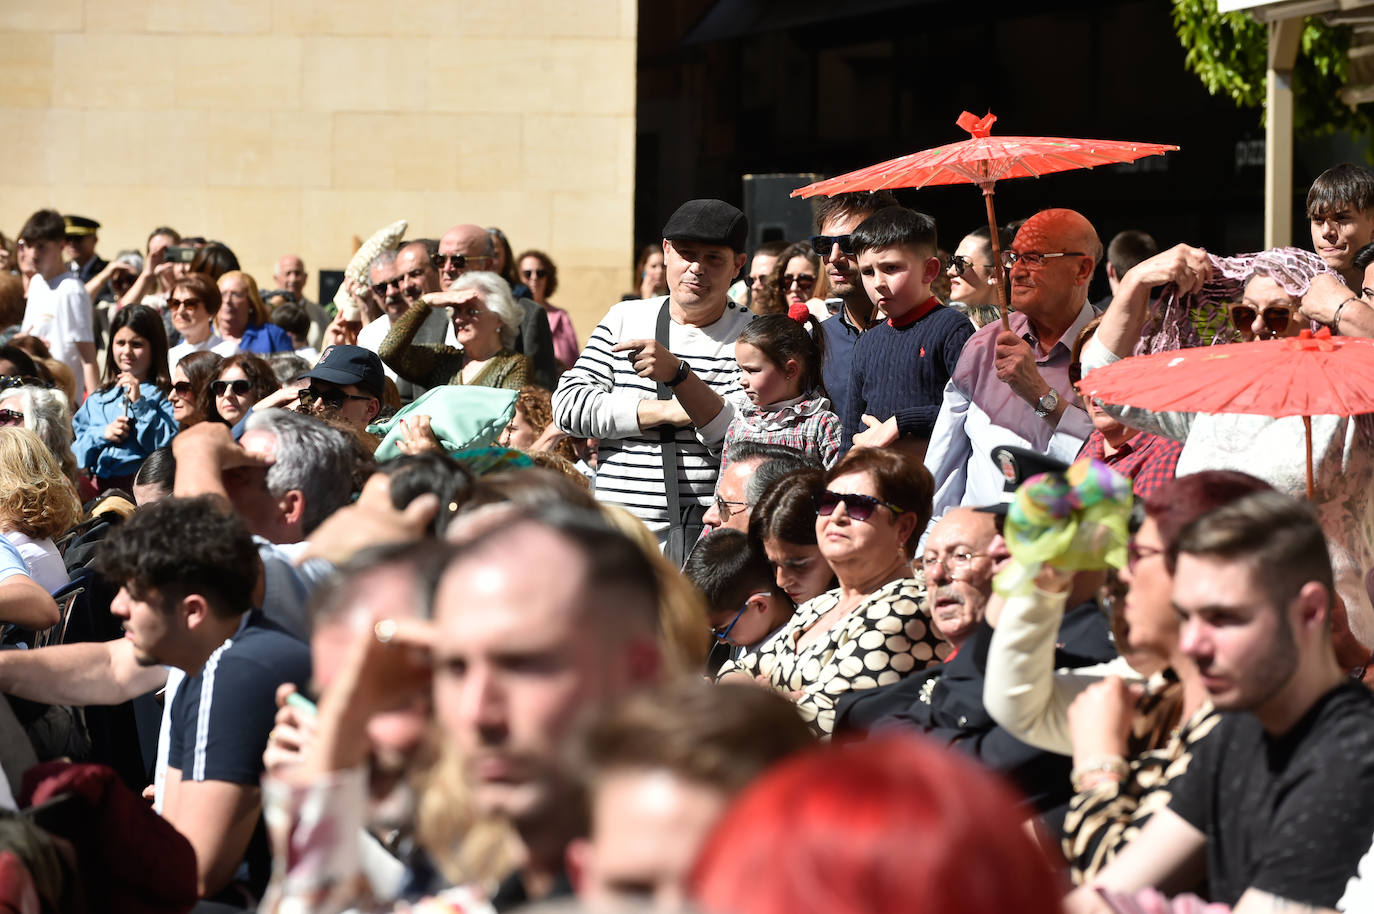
x: 901, y: 370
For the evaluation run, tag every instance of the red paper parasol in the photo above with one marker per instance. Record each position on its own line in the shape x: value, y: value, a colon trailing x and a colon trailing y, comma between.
x: 1304, y: 376
x: 984, y: 160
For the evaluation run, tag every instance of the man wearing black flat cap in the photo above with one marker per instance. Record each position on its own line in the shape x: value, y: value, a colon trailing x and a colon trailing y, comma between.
x: 649, y: 382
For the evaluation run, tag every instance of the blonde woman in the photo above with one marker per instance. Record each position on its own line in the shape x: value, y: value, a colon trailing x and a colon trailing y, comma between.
x: 37, y: 503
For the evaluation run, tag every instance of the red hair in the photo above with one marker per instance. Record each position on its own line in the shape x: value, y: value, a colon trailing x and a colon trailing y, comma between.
x: 890, y: 824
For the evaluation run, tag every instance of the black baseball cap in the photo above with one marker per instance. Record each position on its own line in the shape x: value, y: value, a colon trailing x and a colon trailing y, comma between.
x: 710, y: 222
x: 350, y: 365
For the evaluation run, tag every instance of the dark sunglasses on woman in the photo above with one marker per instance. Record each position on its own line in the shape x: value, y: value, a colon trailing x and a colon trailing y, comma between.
x: 859, y: 507
x: 240, y: 386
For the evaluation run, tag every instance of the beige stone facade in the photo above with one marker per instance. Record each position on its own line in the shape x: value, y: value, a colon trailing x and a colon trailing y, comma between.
x: 283, y: 126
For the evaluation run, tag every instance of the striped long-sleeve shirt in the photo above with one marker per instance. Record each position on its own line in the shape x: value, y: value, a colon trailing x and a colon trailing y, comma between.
x: 599, y: 398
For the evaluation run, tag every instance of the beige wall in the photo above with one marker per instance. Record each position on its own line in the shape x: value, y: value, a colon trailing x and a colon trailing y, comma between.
x: 293, y: 125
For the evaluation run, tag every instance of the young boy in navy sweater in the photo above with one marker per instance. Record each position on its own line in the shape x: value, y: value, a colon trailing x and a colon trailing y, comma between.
x: 902, y: 364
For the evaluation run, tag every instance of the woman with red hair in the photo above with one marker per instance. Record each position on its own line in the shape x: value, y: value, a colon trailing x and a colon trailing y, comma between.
x: 891, y: 824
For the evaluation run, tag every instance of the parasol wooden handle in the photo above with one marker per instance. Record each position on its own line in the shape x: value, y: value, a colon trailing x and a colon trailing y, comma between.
x: 1003, y: 293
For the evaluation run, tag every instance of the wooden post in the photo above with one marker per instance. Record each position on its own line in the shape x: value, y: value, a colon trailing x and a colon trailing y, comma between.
x: 1284, y: 40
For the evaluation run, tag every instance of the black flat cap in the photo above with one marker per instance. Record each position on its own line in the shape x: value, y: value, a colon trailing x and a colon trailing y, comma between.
x: 709, y: 222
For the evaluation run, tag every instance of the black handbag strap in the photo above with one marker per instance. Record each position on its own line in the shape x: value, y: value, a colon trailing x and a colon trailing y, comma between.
x: 668, y: 433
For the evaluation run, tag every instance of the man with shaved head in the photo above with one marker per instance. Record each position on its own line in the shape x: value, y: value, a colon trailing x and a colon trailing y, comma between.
x: 469, y: 247
x: 290, y: 276
x: 1011, y: 387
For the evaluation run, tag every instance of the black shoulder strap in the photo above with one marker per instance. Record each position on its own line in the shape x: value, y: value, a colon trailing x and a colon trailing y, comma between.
x: 668, y: 433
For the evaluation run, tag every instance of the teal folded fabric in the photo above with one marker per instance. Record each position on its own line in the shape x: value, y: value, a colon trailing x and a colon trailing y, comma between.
x: 462, y: 417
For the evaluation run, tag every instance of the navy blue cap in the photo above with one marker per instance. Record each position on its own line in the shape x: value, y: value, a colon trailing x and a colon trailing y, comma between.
x: 350, y: 365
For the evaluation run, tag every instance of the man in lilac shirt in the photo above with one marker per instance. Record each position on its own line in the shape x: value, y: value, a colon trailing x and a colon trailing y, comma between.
x: 1012, y: 387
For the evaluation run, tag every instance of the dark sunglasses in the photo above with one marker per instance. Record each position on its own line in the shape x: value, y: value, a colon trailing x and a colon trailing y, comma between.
x: 240, y: 386
x: 804, y: 281
x: 11, y: 417
x: 334, y: 399
x: 455, y: 261
x: 190, y: 304
x: 823, y: 244
x: 534, y: 274
x: 1276, y: 319
x: 9, y: 382
x: 859, y: 507
x: 182, y: 388
x: 961, y: 264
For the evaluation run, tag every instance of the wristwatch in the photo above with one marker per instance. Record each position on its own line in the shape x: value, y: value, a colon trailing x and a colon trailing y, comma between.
x: 1047, y: 403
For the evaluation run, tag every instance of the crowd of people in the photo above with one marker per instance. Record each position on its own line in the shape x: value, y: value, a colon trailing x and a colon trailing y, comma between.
x: 811, y: 581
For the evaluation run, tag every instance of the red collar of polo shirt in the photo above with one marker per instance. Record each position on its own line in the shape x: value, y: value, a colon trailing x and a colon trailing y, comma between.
x: 915, y: 314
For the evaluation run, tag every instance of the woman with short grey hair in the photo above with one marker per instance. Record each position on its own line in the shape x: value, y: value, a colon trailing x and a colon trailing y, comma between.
x: 45, y: 413
x: 486, y: 321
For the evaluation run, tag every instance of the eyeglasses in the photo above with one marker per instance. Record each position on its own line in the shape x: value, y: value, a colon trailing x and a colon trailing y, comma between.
x: 961, y: 264
x: 182, y: 389
x: 759, y: 280
x: 398, y: 280
x: 456, y: 261
x: 723, y: 634
x: 471, y: 312
x: 1034, y: 258
x: 1276, y: 318
x: 727, y: 509
x: 954, y: 564
x: 824, y: 244
x: 239, y: 386
x: 859, y: 507
x: 534, y: 274
x: 803, y: 281
x: 11, y: 417
x: 1135, y: 552
x: 334, y: 399
x: 177, y: 304
x: 9, y: 382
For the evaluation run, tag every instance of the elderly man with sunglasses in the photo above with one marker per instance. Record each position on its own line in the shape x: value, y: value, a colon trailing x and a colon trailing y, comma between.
x: 471, y: 247
x: 1011, y: 387
x: 398, y: 281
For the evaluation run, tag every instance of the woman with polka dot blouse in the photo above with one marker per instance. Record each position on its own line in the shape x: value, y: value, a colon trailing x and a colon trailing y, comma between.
x: 875, y: 628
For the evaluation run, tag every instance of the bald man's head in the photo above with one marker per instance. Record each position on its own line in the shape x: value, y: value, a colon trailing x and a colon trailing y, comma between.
x: 463, y: 248
x: 1059, y: 285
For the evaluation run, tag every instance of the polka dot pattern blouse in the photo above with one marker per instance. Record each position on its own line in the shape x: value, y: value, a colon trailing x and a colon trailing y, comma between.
x: 885, y: 638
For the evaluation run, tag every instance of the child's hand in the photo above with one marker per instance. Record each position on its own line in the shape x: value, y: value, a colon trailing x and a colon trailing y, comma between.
x: 118, y: 430
x: 879, y: 434
x: 130, y: 385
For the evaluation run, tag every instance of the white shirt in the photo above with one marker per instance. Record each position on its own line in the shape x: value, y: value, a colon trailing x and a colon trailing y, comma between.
x: 42, y: 559
x: 183, y: 349
x: 60, y: 314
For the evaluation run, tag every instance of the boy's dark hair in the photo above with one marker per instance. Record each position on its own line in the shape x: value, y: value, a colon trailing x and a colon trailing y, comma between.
x: 895, y: 226
x: 182, y: 546
x: 1277, y: 535
x: 44, y: 225
x: 862, y: 202
x: 1341, y: 186
x: 292, y: 318
x: 727, y: 567
x: 1130, y: 247
x: 1364, y: 256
